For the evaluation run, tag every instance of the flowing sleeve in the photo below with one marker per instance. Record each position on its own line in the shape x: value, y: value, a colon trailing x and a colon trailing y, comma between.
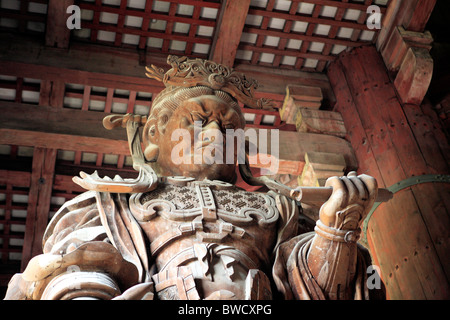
x: 77, y: 252
x: 291, y: 273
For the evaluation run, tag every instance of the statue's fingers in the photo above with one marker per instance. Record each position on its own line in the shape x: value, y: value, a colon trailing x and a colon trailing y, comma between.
x: 352, y: 191
x: 371, y: 185
x: 363, y: 193
x: 338, y: 197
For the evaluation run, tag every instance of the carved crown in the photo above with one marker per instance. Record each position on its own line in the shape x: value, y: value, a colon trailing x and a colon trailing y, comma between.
x: 187, y: 72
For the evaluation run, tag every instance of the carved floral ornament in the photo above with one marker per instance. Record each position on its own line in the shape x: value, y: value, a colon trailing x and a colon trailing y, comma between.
x: 187, y: 72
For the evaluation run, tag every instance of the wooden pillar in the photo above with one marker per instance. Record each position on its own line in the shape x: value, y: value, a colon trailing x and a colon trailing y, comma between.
x: 38, y: 202
x: 409, y: 235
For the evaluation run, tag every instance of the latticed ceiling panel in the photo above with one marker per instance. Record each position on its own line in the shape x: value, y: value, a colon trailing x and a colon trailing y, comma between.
x: 303, y: 35
x: 299, y: 34
x: 24, y: 15
x: 182, y: 27
x: 13, y: 209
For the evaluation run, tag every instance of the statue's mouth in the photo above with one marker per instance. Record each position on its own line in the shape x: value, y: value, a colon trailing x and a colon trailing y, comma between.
x: 207, y: 142
x: 210, y: 150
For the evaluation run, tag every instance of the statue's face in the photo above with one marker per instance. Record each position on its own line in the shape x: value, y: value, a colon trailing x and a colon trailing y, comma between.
x: 194, y: 142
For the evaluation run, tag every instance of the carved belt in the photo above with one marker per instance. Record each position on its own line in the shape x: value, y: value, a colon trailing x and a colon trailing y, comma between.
x: 203, y: 253
x: 178, y: 283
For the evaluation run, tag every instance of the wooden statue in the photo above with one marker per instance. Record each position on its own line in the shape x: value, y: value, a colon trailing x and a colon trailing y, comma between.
x: 183, y: 230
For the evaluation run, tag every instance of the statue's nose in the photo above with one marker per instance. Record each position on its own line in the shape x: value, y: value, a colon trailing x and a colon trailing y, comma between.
x: 209, y: 132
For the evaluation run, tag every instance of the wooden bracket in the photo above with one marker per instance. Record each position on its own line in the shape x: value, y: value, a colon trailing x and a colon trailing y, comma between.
x: 299, y: 97
x: 406, y: 55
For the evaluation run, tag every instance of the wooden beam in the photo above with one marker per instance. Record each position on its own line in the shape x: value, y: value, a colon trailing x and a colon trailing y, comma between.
x: 394, y: 51
x: 299, y: 97
x: 319, y: 167
x: 57, y: 33
x: 16, y: 178
x: 82, y: 64
x: 48, y: 127
x: 228, y: 31
x: 38, y: 202
x: 320, y: 121
x: 45, y: 92
x: 260, y: 39
x: 290, y: 52
x: 305, y: 37
x: 119, y: 68
x: 282, y: 44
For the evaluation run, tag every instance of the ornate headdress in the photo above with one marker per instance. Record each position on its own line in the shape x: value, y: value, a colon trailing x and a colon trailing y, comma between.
x: 187, y: 72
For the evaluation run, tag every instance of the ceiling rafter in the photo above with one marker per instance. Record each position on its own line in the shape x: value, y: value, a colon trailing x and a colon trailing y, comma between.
x: 228, y: 31
x: 57, y: 34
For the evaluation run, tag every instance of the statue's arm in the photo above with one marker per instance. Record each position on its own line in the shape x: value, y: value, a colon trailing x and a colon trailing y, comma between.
x: 78, y: 260
x: 333, y: 255
x: 329, y: 263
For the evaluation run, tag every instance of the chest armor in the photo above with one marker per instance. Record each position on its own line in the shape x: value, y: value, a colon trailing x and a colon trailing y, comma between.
x: 202, y: 221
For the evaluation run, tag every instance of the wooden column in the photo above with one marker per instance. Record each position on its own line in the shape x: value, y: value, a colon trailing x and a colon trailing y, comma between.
x: 43, y: 170
x: 38, y: 202
x: 409, y: 235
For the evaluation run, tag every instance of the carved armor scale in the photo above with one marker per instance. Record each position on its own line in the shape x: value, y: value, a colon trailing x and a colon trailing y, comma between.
x: 207, y: 238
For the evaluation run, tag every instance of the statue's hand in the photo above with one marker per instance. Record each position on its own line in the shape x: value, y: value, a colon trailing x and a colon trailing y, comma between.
x: 350, y: 202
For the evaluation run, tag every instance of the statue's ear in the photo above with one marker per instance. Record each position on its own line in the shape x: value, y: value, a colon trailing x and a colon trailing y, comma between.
x: 151, y: 141
x: 151, y: 152
x: 153, y: 132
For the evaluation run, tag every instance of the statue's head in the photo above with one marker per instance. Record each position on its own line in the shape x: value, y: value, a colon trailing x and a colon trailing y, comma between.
x: 186, y: 131
x: 183, y: 124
